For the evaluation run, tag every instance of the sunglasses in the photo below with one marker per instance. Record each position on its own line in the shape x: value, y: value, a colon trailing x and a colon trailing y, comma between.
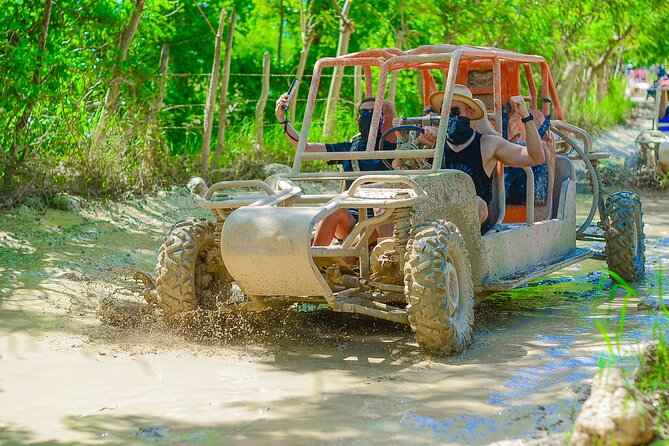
x: 455, y: 111
x: 366, y: 111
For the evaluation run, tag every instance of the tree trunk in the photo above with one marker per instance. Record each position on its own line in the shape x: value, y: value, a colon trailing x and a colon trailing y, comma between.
x: 568, y: 79
x: 210, y: 106
x: 17, y: 153
x: 156, y: 106
x: 260, y: 108
x: 399, y: 43
x: 599, y: 67
x: 300, y: 72
x: 225, y: 82
x: 308, y: 35
x: 357, y: 84
x: 128, y: 34
x: 281, y: 18
x: 345, y: 31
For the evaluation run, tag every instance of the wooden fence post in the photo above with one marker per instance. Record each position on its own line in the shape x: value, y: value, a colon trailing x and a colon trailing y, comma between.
x: 345, y: 31
x: 162, y: 73
x: 156, y: 106
x: 260, y: 108
x: 307, y: 26
x: 225, y: 82
x: 399, y: 43
x: 357, y: 84
x: 211, y: 101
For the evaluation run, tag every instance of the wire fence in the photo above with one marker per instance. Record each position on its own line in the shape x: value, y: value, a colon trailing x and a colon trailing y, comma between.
x: 252, y: 75
x: 229, y: 126
x: 168, y: 107
x: 248, y: 101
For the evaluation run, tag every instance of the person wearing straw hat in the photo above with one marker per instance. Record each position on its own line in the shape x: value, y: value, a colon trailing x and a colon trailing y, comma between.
x: 477, y: 154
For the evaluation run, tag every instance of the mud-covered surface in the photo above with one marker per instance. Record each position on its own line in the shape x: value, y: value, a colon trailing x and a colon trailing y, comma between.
x: 285, y: 377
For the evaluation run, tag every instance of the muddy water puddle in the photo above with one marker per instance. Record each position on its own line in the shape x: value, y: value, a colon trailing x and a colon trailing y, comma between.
x: 289, y: 377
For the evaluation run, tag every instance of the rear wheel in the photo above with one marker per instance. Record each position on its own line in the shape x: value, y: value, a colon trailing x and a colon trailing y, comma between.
x: 190, y: 270
x: 623, y: 230
x: 439, y: 290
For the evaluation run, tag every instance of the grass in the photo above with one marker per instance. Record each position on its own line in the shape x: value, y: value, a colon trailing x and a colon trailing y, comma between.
x: 595, y: 114
x: 652, y: 375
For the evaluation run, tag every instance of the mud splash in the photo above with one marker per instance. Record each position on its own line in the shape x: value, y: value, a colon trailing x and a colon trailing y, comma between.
x: 285, y: 377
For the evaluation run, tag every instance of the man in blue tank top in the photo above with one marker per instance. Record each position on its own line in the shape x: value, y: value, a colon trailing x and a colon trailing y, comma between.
x: 477, y: 154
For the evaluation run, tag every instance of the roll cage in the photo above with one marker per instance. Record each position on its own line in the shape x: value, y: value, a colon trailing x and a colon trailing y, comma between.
x: 456, y: 62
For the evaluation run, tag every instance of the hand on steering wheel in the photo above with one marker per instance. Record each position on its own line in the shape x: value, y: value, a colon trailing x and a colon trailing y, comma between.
x: 404, y: 138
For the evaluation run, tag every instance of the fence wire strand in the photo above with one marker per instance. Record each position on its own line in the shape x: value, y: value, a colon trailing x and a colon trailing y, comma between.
x: 251, y: 75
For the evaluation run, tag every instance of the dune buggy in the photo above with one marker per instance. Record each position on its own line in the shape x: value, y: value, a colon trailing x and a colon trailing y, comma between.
x: 432, y: 263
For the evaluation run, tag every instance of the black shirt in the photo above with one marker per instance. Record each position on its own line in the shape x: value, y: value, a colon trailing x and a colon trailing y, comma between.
x: 470, y: 161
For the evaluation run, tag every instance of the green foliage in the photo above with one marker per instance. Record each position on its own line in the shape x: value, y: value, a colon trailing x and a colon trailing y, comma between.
x: 599, y: 113
x: 652, y: 377
x: 51, y: 101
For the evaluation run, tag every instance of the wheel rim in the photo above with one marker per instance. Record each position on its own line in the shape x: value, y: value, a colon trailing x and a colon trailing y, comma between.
x: 453, y: 290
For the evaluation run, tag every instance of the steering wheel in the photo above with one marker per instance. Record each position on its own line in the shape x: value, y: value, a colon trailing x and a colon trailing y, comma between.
x: 405, y: 144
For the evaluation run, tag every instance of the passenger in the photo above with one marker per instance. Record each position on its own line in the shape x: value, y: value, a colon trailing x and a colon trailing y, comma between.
x: 663, y: 115
x: 477, y: 154
x: 340, y: 223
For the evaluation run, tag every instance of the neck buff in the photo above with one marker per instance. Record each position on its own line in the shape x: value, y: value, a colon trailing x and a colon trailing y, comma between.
x: 365, y: 122
x: 459, y: 129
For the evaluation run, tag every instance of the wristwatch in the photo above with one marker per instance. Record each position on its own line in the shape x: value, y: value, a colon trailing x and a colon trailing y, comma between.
x: 527, y: 118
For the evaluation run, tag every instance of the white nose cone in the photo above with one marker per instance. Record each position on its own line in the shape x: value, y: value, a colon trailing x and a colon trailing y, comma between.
x: 663, y: 156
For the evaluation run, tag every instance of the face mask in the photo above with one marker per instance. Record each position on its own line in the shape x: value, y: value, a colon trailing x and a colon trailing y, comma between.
x: 365, y: 122
x: 459, y: 129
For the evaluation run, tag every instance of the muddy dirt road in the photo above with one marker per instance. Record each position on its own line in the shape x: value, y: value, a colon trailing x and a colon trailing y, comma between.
x: 291, y: 378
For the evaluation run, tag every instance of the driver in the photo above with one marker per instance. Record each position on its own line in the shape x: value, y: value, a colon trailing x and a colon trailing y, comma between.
x: 341, y: 222
x: 477, y: 154
x: 426, y: 140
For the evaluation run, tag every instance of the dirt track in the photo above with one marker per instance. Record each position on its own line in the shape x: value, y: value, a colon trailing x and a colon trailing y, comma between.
x: 288, y: 378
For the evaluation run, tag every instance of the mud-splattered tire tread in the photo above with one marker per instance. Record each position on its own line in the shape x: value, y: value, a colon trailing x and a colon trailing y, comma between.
x: 177, y: 261
x: 625, y: 253
x: 426, y: 288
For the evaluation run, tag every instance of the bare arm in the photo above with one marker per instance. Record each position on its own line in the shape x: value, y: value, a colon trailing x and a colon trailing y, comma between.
x: 515, y: 155
x: 290, y: 130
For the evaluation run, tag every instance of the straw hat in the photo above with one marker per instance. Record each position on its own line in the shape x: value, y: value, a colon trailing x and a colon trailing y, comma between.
x: 460, y: 93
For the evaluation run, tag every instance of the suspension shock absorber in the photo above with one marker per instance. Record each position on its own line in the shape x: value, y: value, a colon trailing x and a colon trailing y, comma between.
x: 401, y: 233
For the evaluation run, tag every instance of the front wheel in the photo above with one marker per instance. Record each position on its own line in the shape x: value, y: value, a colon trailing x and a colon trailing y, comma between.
x: 190, y: 270
x: 623, y: 231
x: 438, y: 287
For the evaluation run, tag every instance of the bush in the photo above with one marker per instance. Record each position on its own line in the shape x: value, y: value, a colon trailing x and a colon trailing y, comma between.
x: 595, y: 114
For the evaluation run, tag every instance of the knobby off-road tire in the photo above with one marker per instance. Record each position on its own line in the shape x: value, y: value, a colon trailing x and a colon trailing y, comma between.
x: 623, y: 231
x: 439, y: 290
x: 190, y: 270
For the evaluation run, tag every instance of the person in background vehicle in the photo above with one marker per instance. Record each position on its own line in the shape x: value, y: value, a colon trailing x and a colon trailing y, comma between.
x: 663, y: 114
x: 341, y: 222
x: 477, y: 154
